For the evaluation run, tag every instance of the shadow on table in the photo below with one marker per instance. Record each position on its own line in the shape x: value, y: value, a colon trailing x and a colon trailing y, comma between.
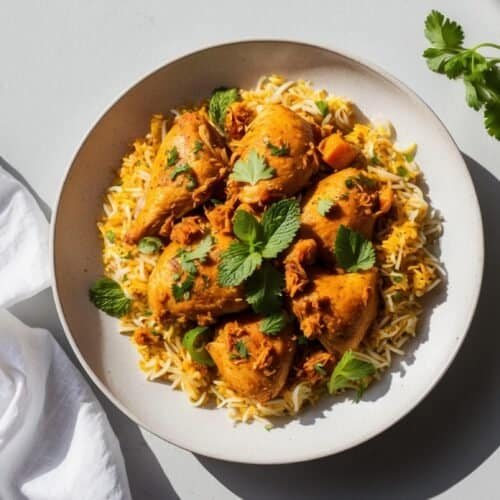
x: 439, y: 443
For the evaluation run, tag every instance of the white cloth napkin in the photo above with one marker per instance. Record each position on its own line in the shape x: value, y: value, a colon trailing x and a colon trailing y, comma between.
x: 55, y: 440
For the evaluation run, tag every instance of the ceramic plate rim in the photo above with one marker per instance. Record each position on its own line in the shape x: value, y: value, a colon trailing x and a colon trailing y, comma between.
x: 306, y: 455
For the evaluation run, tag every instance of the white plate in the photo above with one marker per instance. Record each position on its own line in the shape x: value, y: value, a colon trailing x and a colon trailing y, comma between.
x: 335, y: 424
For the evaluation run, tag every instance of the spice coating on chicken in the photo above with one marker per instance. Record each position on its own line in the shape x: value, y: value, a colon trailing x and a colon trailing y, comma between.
x: 337, y: 309
x: 280, y: 127
x: 253, y: 364
x: 190, y: 162
x: 204, y: 300
x: 356, y: 202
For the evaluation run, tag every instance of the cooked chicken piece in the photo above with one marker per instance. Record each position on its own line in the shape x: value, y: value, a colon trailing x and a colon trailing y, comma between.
x: 171, y: 291
x: 238, y: 117
x: 253, y: 364
x: 313, y: 365
x: 357, y: 202
x: 277, y: 127
x: 187, y: 167
x: 337, y: 309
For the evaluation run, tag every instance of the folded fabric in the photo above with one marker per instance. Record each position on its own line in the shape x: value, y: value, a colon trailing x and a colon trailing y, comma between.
x: 55, y: 440
x: 24, y: 243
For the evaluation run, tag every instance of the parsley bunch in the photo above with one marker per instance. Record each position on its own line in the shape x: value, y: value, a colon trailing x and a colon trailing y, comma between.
x: 247, y: 260
x: 481, y: 74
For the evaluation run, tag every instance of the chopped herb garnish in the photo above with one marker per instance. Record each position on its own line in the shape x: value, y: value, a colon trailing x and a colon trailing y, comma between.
x: 172, y: 156
x: 176, y: 276
x: 252, y: 170
x: 215, y: 202
x: 107, y: 295
x: 322, y: 107
x: 320, y: 368
x: 198, y: 146
x: 349, y: 374
x: 366, y: 182
x: 191, y: 183
x: 325, y: 205
x: 396, y: 277
x: 349, y: 183
x: 402, y: 171
x: 187, y: 258
x: 242, y: 349
x: 274, y: 324
x: 302, y: 339
x: 183, y: 291
x: 149, y: 245
x: 353, y: 251
x: 179, y: 169
x: 193, y: 342
x: 375, y: 160
x: 110, y: 236
x: 219, y: 103
x: 282, y: 150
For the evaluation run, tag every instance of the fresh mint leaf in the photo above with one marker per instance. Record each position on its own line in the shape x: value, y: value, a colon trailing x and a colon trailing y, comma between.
x: 219, y: 102
x: 352, y: 251
x: 110, y: 236
x: 247, y: 228
x: 237, y: 263
x: 107, y: 295
x: 280, y: 221
x: 252, y: 170
x: 264, y: 289
x: 274, y: 323
x: 349, y: 373
x: 149, y: 245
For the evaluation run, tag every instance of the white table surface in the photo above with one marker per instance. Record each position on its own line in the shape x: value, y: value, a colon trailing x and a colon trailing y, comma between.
x: 63, y: 62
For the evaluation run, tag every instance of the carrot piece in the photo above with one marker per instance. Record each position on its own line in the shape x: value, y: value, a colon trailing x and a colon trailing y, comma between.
x: 337, y: 152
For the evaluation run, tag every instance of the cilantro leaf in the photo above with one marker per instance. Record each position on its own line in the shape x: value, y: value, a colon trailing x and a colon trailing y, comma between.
x: 325, y: 205
x: 252, y: 170
x: 179, y: 169
x: 201, y: 251
x: 349, y: 372
x: 281, y: 222
x: 183, y: 291
x: 442, y: 32
x: 480, y: 73
x: 107, y: 295
x: 402, y: 171
x: 492, y: 119
x: 282, y: 150
x: 264, y: 289
x: 237, y: 263
x: 322, y: 107
x: 274, y: 323
x: 352, y: 251
x: 247, y: 228
x: 198, y: 146
x: 220, y: 100
x: 149, y: 245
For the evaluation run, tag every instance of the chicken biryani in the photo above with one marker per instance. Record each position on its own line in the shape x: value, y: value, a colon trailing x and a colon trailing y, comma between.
x: 266, y: 248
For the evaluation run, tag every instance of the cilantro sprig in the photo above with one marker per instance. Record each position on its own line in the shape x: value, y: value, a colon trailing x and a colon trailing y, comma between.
x: 349, y: 373
x: 252, y: 170
x: 480, y: 74
x: 352, y: 251
x: 258, y: 241
x: 274, y: 323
